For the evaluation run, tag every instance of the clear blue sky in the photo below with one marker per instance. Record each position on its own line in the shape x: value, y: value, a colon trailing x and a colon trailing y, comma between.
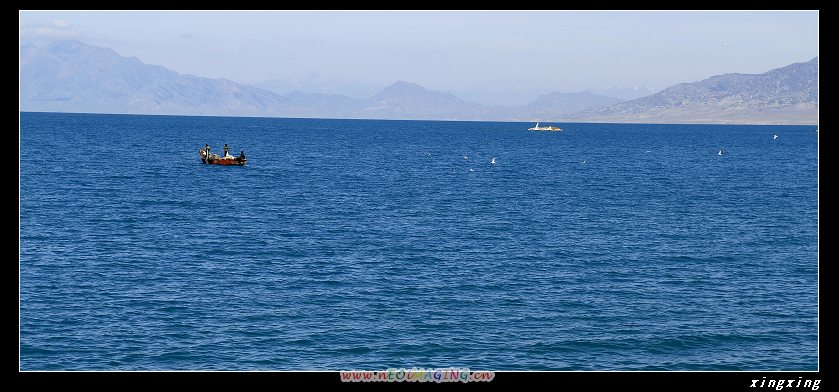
x: 447, y: 50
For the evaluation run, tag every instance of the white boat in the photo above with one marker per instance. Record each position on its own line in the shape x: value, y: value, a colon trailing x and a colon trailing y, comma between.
x: 548, y: 128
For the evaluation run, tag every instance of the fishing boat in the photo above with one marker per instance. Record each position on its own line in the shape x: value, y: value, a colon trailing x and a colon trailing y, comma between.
x: 216, y: 159
x: 547, y: 128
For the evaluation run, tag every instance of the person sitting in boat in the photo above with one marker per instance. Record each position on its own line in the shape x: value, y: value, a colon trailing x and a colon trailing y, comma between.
x: 242, y: 155
x: 226, y: 154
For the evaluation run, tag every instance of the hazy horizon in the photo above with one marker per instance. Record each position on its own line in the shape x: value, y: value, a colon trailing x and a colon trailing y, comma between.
x: 490, y: 57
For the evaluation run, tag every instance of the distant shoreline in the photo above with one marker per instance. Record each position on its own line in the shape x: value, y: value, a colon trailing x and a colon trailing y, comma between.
x: 628, y: 121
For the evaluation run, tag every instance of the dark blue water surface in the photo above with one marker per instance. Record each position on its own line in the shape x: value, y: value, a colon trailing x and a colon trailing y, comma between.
x: 356, y: 244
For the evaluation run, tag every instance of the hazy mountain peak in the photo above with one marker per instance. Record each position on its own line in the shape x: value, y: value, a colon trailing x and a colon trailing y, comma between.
x: 402, y: 87
x: 404, y: 84
x: 786, y: 95
x: 73, y: 48
x: 72, y: 76
x: 410, y: 100
x: 556, y: 104
x: 67, y: 46
x: 401, y: 90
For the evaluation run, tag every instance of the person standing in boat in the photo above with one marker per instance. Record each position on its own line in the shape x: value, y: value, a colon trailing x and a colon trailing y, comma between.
x: 206, y: 153
x: 226, y: 154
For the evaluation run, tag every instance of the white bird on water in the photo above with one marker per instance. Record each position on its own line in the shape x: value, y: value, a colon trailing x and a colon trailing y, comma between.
x: 774, y: 137
x: 471, y: 170
x: 492, y: 161
x: 465, y: 157
x: 584, y: 161
x: 719, y: 153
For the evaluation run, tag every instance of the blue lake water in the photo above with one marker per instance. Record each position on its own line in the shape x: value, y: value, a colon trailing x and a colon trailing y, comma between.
x: 360, y: 244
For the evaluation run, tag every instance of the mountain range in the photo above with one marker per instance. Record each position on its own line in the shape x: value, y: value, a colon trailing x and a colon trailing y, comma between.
x: 70, y: 76
x: 786, y: 95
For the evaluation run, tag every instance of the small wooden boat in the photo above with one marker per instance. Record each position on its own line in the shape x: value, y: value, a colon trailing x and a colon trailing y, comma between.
x: 215, y: 159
